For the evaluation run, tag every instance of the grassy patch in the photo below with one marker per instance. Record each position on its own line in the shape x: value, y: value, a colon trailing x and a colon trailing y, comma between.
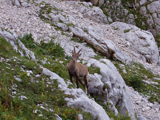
x: 93, y: 70
x: 41, y: 49
x: 134, y: 77
x: 125, y: 31
x: 108, y: 111
x: 76, y: 39
x: 26, y: 93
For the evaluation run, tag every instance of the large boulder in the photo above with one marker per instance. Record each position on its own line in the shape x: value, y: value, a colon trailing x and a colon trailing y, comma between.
x: 80, y: 99
x: 95, y: 37
x: 117, y: 92
x: 142, y: 44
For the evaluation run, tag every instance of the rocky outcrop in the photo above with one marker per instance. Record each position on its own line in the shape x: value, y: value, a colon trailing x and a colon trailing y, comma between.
x: 20, y: 47
x: 80, y: 99
x: 141, y: 44
x: 147, y: 110
x: 117, y: 94
x: 142, y: 13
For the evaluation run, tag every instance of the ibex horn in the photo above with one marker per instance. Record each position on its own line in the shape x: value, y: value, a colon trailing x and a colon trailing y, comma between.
x: 79, y: 51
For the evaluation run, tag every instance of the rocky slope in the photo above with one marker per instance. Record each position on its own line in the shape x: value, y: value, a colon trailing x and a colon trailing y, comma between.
x: 142, y: 13
x: 71, y: 23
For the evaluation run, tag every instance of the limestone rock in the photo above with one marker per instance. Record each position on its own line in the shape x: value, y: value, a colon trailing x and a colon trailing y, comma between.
x: 12, y: 40
x: 106, y: 47
x: 17, y: 3
x: 97, y: 2
x: 118, y: 93
x: 80, y: 98
x: 95, y: 84
x: 145, y: 110
x: 143, y: 45
x: 62, y: 26
x: 141, y: 118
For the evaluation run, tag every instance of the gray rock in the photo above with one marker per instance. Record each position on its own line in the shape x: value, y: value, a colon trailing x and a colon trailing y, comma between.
x: 80, y: 117
x: 10, y: 2
x: 105, y: 46
x: 141, y: 118
x: 142, y: 2
x: 87, y: 4
x: 62, y: 18
x: 28, y: 53
x: 80, y: 100
x: 95, y: 14
x: 24, y: 4
x: 86, y: 104
x: 95, y: 84
x: 63, y: 26
x: 142, y: 42
x: 118, y: 93
x: 12, y: 40
x: 54, y: 18
x: 17, y: 3
x: 154, y: 7
x: 18, y: 79
x: 58, y: 118
x: 8, y: 36
x: 97, y: 2
x: 22, y: 97
x: 143, y: 10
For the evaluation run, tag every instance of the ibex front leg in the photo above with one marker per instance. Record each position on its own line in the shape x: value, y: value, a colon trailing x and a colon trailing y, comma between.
x: 77, y: 81
x: 86, y: 82
x: 70, y: 77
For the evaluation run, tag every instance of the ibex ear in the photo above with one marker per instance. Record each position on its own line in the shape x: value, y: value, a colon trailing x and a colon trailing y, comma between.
x: 79, y: 55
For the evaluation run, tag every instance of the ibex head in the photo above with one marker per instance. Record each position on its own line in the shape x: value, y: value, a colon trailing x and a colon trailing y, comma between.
x: 75, y: 55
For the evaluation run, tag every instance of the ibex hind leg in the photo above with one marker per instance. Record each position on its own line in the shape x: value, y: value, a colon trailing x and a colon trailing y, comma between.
x: 86, y: 83
x: 80, y: 80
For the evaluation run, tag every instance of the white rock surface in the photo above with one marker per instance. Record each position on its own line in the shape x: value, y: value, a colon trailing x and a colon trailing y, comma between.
x: 141, y: 44
x: 80, y: 100
x: 12, y: 40
x: 117, y: 90
x: 145, y: 109
x: 95, y: 84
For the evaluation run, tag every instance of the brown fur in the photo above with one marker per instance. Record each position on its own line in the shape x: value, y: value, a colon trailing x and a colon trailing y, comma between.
x: 78, y: 70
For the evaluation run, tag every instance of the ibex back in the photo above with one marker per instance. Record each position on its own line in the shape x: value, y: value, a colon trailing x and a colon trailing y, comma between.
x: 78, y: 70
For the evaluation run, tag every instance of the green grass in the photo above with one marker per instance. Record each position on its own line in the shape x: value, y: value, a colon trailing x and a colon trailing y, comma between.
x: 134, y: 77
x: 93, y: 70
x: 125, y: 31
x: 111, y: 114
x: 76, y: 39
x: 36, y: 87
x: 41, y: 49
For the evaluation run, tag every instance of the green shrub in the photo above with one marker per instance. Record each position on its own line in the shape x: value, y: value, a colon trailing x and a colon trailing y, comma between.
x: 28, y: 41
x: 5, y: 47
x: 43, y: 48
x: 52, y: 49
x: 136, y: 82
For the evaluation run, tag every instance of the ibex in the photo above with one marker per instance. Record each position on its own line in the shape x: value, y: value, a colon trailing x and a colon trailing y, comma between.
x: 78, y: 70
